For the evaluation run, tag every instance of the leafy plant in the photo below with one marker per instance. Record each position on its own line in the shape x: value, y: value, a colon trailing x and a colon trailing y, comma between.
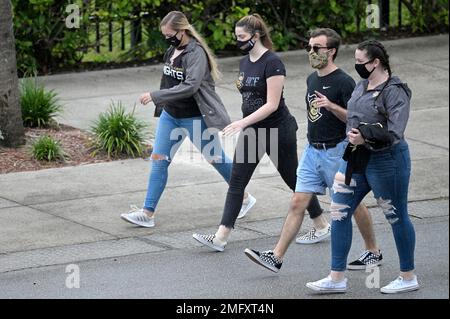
x: 39, y: 106
x: 47, y: 149
x: 117, y: 132
x: 43, y: 40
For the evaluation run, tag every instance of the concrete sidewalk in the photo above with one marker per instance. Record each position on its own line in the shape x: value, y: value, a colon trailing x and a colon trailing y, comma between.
x: 66, y: 215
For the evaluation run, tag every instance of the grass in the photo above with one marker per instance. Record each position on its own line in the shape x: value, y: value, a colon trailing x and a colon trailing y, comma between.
x: 118, y: 132
x: 47, y: 149
x: 39, y: 106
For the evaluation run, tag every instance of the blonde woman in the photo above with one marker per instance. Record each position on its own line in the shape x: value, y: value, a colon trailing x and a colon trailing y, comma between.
x: 187, y: 104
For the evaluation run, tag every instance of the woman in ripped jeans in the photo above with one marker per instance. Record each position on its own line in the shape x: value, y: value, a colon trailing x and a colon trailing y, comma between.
x: 377, y: 159
x: 188, y: 106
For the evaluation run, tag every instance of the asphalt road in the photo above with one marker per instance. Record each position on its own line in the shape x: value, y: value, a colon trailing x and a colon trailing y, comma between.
x: 199, y: 273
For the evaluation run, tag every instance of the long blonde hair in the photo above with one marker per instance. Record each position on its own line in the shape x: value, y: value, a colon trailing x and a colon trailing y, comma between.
x: 254, y: 23
x: 178, y: 21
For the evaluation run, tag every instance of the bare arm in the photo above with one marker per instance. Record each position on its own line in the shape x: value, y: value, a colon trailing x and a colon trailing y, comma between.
x: 274, y: 90
x: 337, y: 110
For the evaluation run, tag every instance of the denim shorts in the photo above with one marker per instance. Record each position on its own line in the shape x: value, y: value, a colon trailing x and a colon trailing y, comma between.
x: 317, y: 167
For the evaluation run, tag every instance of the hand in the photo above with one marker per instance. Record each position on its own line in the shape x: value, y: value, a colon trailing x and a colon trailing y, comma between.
x: 234, y: 128
x: 323, y: 101
x: 355, y: 137
x: 145, y: 98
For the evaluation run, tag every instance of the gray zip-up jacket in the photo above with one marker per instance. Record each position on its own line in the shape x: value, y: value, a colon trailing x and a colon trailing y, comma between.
x: 390, y: 107
x: 198, y: 84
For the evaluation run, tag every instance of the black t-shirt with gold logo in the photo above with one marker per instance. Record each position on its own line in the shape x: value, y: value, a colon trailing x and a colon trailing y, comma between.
x: 323, y: 125
x: 252, y: 85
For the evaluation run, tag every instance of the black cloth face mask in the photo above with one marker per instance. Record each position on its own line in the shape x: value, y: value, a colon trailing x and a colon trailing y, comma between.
x: 174, y: 41
x: 246, y: 46
x: 362, y: 70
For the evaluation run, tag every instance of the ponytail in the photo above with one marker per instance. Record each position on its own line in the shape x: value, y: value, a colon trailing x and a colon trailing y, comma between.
x: 215, y: 72
x: 255, y: 24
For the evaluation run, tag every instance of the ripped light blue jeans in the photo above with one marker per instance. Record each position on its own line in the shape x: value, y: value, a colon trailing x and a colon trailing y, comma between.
x: 387, y: 175
x: 170, y: 134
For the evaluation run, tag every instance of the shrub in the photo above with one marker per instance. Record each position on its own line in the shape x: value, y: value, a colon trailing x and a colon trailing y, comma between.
x: 117, y: 132
x: 39, y: 106
x: 43, y: 41
x: 47, y: 149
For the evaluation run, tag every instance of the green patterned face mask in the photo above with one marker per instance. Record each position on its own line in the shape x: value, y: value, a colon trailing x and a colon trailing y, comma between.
x: 318, y: 60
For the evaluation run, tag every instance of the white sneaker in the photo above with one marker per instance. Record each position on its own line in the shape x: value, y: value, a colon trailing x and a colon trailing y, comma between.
x: 247, y: 204
x: 400, y: 285
x: 210, y: 241
x: 138, y: 217
x: 327, y: 285
x: 314, y: 236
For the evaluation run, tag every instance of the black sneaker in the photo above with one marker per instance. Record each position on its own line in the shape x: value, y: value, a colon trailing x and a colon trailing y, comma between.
x: 265, y: 258
x: 368, y: 259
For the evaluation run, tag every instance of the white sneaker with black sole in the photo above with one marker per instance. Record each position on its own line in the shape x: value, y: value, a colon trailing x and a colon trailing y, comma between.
x: 137, y: 216
x: 210, y: 241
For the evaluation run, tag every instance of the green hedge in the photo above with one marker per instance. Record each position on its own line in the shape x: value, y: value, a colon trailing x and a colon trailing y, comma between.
x: 45, y: 44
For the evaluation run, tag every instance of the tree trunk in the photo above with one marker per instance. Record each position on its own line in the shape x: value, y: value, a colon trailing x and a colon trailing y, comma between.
x: 11, y: 125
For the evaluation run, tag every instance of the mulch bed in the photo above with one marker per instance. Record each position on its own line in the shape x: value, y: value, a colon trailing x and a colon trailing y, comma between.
x: 75, y: 142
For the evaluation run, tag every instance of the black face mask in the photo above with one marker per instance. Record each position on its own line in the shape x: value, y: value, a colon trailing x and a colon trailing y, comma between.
x: 174, y: 41
x: 245, y: 46
x: 362, y: 70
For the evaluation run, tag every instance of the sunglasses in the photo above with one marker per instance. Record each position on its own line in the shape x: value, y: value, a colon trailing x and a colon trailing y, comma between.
x: 315, y: 48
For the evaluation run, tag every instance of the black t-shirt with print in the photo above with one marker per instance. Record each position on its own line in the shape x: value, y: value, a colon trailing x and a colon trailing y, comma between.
x: 173, y: 75
x: 323, y: 125
x: 252, y: 85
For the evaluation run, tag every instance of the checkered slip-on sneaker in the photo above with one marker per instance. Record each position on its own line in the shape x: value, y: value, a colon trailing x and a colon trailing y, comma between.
x: 266, y: 259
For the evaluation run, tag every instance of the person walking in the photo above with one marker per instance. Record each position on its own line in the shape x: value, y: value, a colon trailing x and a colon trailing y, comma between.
x: 328, y: 91
x: 267, y: 125
x: 188, y: 106
x: 377, y: 159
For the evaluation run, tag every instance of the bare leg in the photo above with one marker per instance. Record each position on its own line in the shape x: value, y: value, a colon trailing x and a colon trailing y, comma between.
x: 320, y: 222
x: 223, y: 233
x: 365, y: 226
x: 293, y: 222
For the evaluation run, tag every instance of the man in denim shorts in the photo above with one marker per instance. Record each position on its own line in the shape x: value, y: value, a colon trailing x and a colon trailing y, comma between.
x: 328, y: 91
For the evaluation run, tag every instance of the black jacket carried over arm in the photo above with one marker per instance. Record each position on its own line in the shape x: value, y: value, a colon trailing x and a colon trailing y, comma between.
x: 376, y: 137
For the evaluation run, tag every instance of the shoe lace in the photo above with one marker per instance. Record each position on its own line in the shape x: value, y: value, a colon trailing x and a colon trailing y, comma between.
x: 364, y: 255
x: 134, y: 208
x: 397, y: 282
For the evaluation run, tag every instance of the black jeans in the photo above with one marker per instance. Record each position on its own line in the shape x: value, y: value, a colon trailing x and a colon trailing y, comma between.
x: 251, y: 147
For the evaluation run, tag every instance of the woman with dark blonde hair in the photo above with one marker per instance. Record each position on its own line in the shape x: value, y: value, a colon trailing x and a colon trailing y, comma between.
x: 186, y: 104
x: 267, y: 125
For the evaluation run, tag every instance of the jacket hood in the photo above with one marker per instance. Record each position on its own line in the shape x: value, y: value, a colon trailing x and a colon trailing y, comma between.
x: 395, y: 81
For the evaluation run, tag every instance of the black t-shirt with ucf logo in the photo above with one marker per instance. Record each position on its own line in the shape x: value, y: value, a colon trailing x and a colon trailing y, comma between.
x: 323, y: 125
x: 252, y: 85
x: 174, y: 74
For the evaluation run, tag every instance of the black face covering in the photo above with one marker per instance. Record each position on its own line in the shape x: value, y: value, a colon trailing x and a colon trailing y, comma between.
x: 362, y: 70
x: 173, y: 40
x: 245, y: 46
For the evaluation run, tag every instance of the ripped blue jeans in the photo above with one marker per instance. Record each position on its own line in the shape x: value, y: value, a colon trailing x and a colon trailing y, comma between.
x: 387, y: 175
x: 169, y: 136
